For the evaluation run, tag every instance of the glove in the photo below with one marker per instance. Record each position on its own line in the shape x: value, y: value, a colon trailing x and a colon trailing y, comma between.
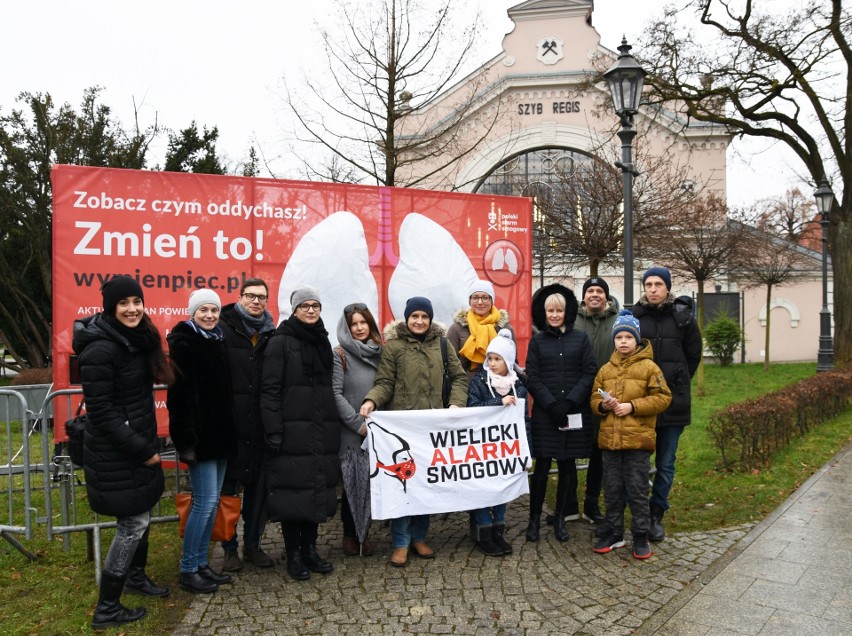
x: 558, y: 412
x: 188, y: 457
x: 274, y: 444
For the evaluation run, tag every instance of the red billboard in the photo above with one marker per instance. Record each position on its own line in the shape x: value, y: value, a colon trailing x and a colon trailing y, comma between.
x: 177, y: 232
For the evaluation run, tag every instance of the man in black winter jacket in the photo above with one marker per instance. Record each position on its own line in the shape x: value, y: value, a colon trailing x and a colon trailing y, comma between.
x: 671, y: 327
x: 247, y: 326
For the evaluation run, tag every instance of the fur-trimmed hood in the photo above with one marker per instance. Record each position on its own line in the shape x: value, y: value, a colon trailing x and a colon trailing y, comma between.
x: 539, y: 315
x: 460, y: 318
x: 398, y: 329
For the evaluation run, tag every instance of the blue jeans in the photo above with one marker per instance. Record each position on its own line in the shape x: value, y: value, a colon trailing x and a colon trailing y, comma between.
x: 207, y: 478
x: 129, y: 531
x: 487, y: 517
x: 667, y: 438
x: 404, y: 530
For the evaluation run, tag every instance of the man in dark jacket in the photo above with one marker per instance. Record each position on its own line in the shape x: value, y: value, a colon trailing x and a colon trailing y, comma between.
x: 596, y: 317
x: 247, y: 326
x: 671, y: 327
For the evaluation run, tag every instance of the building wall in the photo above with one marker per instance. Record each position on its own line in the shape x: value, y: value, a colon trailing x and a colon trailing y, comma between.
x: 529, y: 104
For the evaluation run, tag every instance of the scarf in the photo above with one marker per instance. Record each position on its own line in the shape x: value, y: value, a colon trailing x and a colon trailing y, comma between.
x: 503, y: 384
x: 367, y: 351
x: 482, y: 332
x: 254, y: 325
x: 316, y: 349
x: 140, y: 337
x: 214, y: 334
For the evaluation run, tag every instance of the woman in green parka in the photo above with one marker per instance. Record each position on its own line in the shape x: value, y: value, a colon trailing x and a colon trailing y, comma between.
x: 410, y: 376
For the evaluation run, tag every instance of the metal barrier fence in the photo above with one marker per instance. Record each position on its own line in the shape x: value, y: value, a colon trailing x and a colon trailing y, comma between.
x: 52, y: 503
x: 61, y: 479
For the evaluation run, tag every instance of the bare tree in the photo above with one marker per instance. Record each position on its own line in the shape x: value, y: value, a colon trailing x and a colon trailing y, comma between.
x: 768, y: 261
x: 390, y: 60
x: 33, y: 138
x: 783, y: 77
x: 699, y: 246
x: 790, y: 217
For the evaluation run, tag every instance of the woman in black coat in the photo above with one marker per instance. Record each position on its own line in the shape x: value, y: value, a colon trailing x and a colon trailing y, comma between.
x: 201, y: 425
x: 302, y: 432
x: 120, y: 358
x: 560, y: 370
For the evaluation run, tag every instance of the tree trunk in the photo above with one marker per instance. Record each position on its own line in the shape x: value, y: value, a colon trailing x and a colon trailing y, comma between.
x: 699, y: 389
x: 768, y: 322
x: 841, y: 265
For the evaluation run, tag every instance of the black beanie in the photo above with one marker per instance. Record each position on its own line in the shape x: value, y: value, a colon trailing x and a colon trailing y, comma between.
x: 118, y: 288
x: 418, y: 303
x: 596, y: 282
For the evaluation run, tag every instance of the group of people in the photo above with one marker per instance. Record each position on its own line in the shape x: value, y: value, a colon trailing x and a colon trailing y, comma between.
x: 281, y: 415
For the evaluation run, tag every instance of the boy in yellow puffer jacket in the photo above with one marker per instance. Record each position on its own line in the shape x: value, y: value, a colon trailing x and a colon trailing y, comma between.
x: 629, y: 392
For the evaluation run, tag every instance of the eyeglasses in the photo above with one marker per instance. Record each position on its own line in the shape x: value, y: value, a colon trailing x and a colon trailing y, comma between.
x: 258, y: 297
x: 480, y: 299
x: 309, y: 306
x: 354, y: 307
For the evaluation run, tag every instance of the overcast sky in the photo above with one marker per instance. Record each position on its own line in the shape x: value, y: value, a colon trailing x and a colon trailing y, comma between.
x: 221, y: 63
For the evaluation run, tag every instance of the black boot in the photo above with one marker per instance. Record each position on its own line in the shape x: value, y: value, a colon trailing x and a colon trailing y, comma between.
x: 296, y: 567
x: 563, y: 493
x: 195, y: 583
x: 314, y: 562
x: 592, y: 512
x: 208, y: 573
x: 485, y: 542
x: 498, y: 530
x: 137, y: 581
x: 656, y: 531
x: 559, y: 529
x: 109, y: 612
x: 534, y: 529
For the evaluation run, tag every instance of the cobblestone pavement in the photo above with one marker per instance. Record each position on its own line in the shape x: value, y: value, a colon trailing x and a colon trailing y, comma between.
x: 543, y: 588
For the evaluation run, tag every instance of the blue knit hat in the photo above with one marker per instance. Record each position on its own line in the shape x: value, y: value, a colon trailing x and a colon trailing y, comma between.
x: 418, y: 303
x: 662, y: 272
x: 626, y: 322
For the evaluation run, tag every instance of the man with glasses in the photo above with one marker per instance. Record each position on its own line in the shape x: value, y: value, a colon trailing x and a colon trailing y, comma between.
x: 247, y: 326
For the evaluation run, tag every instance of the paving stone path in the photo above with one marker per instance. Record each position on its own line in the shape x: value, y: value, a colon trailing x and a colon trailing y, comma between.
x: 543, y: 588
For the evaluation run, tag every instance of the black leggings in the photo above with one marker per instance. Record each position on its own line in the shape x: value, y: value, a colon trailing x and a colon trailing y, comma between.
x: 566, y: 485
x: 299, y: 534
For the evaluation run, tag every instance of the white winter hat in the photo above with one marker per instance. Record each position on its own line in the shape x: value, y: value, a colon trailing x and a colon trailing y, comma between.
x: 503, y: 346
x: 203, y: 297
x: 482, y: 286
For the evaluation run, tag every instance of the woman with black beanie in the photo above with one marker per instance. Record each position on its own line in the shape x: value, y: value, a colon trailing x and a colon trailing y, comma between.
x: 120, y: 355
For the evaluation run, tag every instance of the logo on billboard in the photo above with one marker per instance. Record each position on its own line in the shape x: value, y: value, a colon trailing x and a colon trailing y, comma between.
x: 503, y: 262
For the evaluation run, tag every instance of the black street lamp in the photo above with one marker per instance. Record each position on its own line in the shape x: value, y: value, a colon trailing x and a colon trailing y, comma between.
x: 824, y: 202
x: 625, y: 79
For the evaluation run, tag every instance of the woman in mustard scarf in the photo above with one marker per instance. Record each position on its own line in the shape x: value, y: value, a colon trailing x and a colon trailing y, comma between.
x: 474, y: 328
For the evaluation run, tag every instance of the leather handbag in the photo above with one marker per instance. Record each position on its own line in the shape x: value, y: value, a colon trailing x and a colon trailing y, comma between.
x: 227, y: 515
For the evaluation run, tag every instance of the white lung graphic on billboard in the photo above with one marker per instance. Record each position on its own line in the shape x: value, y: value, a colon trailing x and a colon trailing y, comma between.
x: 333, y: 258
x: 431, y: 264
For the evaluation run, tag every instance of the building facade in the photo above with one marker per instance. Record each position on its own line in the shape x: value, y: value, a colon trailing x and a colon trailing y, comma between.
x: 541, y: 120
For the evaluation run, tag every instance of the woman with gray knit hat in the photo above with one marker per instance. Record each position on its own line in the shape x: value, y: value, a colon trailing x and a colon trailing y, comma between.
x: 121, y: 358
x: 411, y: 376
x: 201, y: 425
x: 302, y: 430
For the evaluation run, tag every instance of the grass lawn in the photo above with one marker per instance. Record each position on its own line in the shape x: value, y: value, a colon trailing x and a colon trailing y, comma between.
x: 56, y: 594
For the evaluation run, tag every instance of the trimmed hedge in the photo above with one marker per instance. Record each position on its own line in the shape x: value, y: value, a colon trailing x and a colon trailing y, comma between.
x: 747, y: 434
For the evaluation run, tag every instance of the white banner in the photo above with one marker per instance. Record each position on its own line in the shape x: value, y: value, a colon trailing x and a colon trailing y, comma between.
x: 446, y: 460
